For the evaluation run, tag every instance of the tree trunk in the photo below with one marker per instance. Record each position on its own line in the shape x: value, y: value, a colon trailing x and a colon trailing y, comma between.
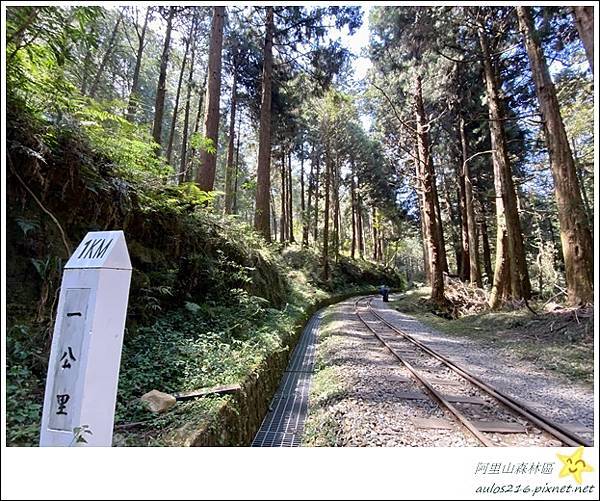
x: 302, y: 200
x: 183, y: 164
x: 575, y: 235
x: 586, y: 202
x: 177, y: 95
x: 511, y: 279
x: 283, y: 232
x: 109, y: 49
x: 237, y: 167
x: 263, y: 171
x: 208, y: 159
x: 317, y: 175
x: 465, y: 254
x: 584, y: 20
x: 189, y: 161
x: 353, y: 203
x: 429, y: 211
x: 469, y: 210
x: 290, y: 200
x: 229, y: 169
x: 328, y: 169
x: 135, y: 85
x: 455, y: 219
x: 374, y: 228
x: 336, y: 209
x: 161, y: 90
x: 359, y: 222
x: 439, y: 225
x: 421, y: 203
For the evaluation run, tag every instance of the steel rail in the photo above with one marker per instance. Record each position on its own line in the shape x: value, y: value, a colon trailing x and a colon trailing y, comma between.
x: 557, y: 431
x: 462, y: 419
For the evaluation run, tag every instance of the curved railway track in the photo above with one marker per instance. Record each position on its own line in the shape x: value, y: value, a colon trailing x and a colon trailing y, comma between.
x: 409, y: 351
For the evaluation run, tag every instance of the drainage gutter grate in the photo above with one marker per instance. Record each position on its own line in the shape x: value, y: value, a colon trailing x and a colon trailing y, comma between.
x: 284, y: 423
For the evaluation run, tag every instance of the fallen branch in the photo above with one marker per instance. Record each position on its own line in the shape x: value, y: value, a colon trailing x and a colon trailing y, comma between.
x: 205, y: 392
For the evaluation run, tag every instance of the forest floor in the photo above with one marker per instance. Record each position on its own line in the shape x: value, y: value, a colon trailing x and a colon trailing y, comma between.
x: 355, y: 397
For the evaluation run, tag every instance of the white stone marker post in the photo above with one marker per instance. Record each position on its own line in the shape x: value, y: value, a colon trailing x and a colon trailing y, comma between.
x: 83, y: 372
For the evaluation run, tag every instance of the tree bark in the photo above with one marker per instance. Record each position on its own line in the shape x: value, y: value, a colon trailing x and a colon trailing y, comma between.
x: 135, y: 85
x: 189, y: 170
x: 109, y: 48
x: 359, y: 221
x: 303, y: 200
x: 511, y: 279
x: 290, y: 211
x: 283, y: 232
x: 237, y: 168
x: 229, y: 169
x: 177, y: 96
x: 183, y: 164
x: 353, y: 203
x: 469, y: 210
x: 263, y: 172
x: 161, y: 90
x: 429, y: 210
x: 575, y: 234
x: 421, y: 203
x: 328, y: 169
x: 439, y: 226
x: 208, y: 159
x: 584, y: 20
x: 317, y: 176
x: 336, y: 209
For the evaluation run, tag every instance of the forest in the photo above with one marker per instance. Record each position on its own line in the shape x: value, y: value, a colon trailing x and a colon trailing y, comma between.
x: 258, y: 164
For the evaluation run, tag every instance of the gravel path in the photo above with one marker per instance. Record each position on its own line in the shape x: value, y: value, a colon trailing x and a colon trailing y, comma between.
x: 560, y: 400
x: 359, y: 393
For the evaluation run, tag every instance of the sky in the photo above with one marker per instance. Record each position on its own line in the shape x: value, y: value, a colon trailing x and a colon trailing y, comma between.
x: 357, y: 42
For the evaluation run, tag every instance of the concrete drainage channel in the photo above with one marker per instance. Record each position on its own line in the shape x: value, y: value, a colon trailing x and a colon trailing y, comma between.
x: 284, y: 423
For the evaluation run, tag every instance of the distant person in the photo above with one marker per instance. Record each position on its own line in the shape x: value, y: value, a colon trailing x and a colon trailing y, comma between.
x: 384, y: 291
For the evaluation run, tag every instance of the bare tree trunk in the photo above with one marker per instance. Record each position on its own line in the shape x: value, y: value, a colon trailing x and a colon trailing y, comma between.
x: 208, y: 159
x: 229, y: 169
x: 283, y: 232
x: 429, y: 212
x: 135, y: 86
x: 177, y: 95
x: 189, y: 161
x: 469, y: 210
x: 302, y: 199
x: 574, y: 232
x: 109, y: 49
x: 161, y: 90
x: 290, y: 200
x: 263, y: 172
x: 584, y: 20
x: 374, y: 228
x: 455, y: 220
x: 183, y: 164
x: 586, y: 202
x: 511, y: 279
x: 353, y: 203
x: 317, y: 175
x: 336, y: 209
x: 237, y: 167
x: 421, y: 203
x: 439, y: 225
x: 359, y: 221
x: 328, y: 169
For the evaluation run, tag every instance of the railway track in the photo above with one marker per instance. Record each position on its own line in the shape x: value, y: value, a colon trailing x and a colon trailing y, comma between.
x: 475, y: 399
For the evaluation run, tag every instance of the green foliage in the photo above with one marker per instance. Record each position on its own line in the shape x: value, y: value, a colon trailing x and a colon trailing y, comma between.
x: 200, y: 142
